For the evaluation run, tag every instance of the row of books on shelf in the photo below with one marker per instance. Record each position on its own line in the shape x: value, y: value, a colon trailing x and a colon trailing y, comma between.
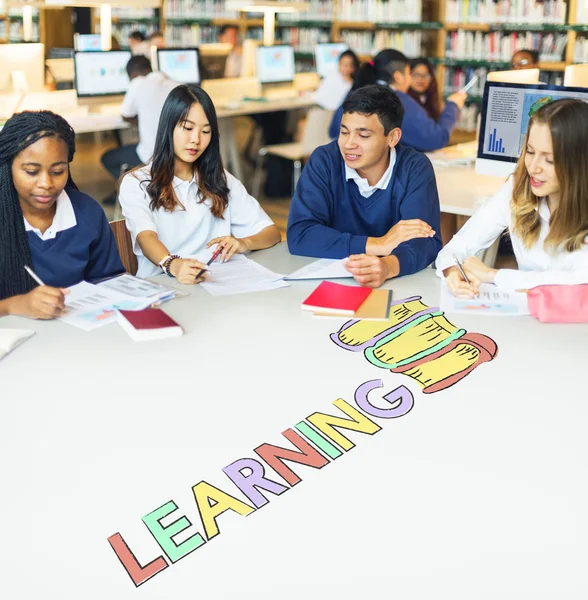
x: 366, y: 42
x: 132, y: 12
x: 121, y: 31
x: 581, y: 50
x: 318, y: 10
x: 506, y: 11
x: 499, y: 46
x: 467, y: 119
x: 304, y: 39
x: 197, y: 9
x: 14, y: 31
x: 381, y: 11
x: 190, y: 35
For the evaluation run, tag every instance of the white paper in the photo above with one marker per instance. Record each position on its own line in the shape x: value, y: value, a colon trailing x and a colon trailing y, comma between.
x: 139, y: 288
x: 11, y: 338
x: 239, y: 276
x: 491, y: 301
x: 89, y: 306
x: 324, y: 268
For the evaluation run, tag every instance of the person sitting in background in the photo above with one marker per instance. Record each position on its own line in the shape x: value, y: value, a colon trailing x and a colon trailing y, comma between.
x: 334, y: 87
x: 157, y: 39
x: 420, y: 131
x: 138, y: 44
x: 229, y: 34
x: 45, y: 222
x: 525, y: 59
x: 544, y: 206
x: 143, y: 102
x: 366, y: 196
x: 184, y: 201
x: 424, y: 88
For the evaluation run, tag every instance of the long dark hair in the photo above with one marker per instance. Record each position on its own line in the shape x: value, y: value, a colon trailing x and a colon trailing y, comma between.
x: 380, y: 69
x: 212, y: 180
x: 21, y: 131
x: 432, y: 102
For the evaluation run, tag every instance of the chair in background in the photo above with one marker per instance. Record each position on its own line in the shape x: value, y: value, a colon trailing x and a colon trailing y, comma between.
x: 316, y: 133
x: 124, y: 244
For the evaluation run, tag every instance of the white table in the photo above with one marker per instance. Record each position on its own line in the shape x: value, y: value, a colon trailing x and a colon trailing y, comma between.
x: 478, y: 492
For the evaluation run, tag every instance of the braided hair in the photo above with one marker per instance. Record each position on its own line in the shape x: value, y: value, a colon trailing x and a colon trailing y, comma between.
x: 21, y: 131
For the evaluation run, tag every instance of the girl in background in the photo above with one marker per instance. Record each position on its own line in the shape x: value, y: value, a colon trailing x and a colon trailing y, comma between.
x: 334, y: 88
x: 424, y: 88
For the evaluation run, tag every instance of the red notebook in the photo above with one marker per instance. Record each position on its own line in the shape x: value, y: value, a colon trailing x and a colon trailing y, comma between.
x: 148, y: 324
x: 336, y: 298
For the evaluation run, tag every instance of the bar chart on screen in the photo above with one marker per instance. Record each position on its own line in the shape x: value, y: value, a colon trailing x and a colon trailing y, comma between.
x: 495, y: 143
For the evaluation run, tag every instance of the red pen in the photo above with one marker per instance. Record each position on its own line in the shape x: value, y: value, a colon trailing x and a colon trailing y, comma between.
x: 212, y: 259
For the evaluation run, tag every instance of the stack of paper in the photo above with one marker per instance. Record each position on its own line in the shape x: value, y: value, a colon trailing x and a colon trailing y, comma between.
x: 324, y: 268
x: 238, y: 275
x: 334, y: 300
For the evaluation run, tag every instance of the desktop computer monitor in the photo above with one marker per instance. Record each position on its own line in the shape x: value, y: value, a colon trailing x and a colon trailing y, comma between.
x: 326, y: 57
x: 275, y: 64
x: 90, y: 42
x: 179, y: 64
x: 506, y: 110
x: 26, y: 58
x: 101, y: 73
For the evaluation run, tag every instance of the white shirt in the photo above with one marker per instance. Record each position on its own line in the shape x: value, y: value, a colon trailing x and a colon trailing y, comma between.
x: 365, y: 189
x: 332, y: 90
x: 144, y: 99
x: 187, y: 230
x: 536, y: 265
x: 64, y: 218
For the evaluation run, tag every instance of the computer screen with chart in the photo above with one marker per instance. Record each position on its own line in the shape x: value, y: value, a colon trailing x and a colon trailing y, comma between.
x: 326, y: 57
x: 275, y: 64
x: 179, y: 64
x: 506, y: 111
x: 101, y: 73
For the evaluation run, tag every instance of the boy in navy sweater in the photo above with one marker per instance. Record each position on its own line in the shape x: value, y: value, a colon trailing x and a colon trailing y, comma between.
x: 366, y: 197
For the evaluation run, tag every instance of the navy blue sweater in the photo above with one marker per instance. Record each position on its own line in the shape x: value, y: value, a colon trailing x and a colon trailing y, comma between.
x: 419, y: 130
x: 329, y: 218
x: 85, y: 252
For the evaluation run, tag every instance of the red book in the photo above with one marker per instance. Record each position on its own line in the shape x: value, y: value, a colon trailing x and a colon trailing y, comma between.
x: 336, y: 298
x: 148, y: 324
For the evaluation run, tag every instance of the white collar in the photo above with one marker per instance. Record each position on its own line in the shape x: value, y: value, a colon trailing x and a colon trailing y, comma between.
x: 543, y: 209
x: 65, y: 218
x: 363, y: 184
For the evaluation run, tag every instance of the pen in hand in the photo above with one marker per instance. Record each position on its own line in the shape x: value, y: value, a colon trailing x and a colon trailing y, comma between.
x: 463, y: 274
x: 33, y: 275
x: 212, y: 259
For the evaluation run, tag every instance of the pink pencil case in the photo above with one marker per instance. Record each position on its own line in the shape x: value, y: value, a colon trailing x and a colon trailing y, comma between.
x: 559, y: 303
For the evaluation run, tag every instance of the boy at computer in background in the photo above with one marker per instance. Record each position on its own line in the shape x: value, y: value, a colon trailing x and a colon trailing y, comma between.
x: 143, y: 102
x: 366, y: 196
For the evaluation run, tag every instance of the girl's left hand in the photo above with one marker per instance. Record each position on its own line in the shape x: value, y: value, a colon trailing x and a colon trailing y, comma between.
x: 479, y: 270
x: 231, y: 246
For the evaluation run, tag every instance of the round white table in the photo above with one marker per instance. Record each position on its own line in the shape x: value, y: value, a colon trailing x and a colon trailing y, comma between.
x: 477, y: 492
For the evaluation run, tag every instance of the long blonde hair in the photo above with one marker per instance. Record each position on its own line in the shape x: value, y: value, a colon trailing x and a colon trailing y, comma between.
x: 567, y: 120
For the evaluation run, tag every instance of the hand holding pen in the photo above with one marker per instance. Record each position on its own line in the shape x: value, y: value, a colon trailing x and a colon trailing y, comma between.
x: 211, y: 260
x: 459, y: 283
x: 43, y: 302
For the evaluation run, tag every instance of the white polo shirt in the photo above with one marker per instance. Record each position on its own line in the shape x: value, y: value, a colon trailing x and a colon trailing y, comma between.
x: 187, y: 229
x: 145, y: 99
x: 365, y: 189
x: 64, y: 218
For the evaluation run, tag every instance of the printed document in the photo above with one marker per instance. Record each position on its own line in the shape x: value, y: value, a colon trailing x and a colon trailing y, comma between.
x: 491, y: 301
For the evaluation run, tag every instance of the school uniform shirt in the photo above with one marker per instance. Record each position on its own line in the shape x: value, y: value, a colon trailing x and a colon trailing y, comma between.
x: 419, y: 130
x: 145, y: 99
x: 334, y: 211
x: 78, y: 246
x: 536, y: 265
x: 188, y: 228
x: 332, y: 91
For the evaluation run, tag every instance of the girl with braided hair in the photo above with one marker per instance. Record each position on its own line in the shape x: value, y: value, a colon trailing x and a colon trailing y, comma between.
x: 45, y: 221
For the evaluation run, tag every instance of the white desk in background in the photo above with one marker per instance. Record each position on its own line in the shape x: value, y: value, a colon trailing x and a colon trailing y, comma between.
x: 227, y: 112
x: 481, y: 482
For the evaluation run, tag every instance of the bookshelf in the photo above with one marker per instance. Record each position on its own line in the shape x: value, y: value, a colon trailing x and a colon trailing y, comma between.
x: 11, y: 24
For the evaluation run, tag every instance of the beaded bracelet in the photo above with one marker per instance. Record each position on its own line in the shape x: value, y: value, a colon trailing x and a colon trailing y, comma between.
x: 167, y: 263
